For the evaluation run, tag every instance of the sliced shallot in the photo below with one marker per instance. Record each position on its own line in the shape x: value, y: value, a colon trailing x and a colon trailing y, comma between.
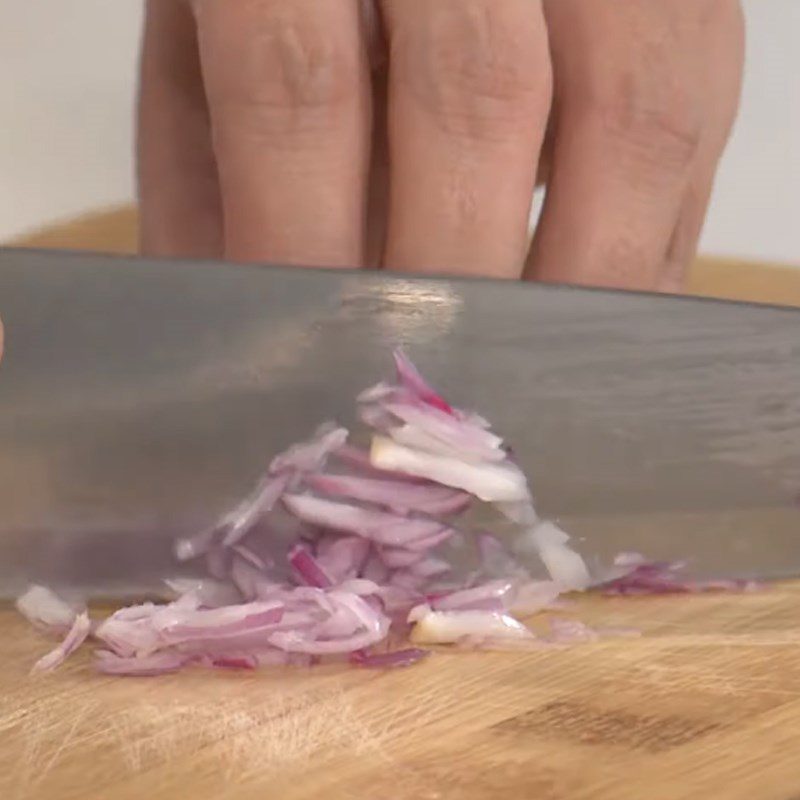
x: 396, y: 495
x: 339, y: 552
x: 80, y: 630
x: 46, y: 610
x: 489, y: 482
x: 378, y: 526
x: 449, y: 627
x: 393, y: 660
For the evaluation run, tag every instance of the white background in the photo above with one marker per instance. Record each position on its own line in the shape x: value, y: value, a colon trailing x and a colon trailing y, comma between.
x: 66, y: 92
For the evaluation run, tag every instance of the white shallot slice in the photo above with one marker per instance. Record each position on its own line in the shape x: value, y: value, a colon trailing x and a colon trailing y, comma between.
x: 566, y: 567
x: 399, y: 496
x: 379, y: 526
x: 46, y: 610
x: 236, y: 524
x: 417, y: 439
x: 358, y: 461
x: 144, y: 667
x: 531, y: 597
x: 310, y: 456
x: 210, y: 593
x: 80, y: 630
x: 489, y: 482
x: 470, y: 441
x: 449, y: 627
x: 492, y: 596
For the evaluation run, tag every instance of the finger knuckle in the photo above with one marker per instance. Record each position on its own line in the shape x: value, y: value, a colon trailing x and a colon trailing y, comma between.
x: 477, y: 74
x: 658, y: 121
x: 286, y: 71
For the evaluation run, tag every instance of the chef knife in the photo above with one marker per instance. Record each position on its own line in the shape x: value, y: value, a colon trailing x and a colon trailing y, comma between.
x: 141, y: 399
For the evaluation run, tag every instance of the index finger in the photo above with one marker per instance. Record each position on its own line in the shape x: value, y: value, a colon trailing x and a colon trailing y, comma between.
x: 288, y: 91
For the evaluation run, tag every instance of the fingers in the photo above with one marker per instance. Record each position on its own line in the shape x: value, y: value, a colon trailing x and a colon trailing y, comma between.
x: 632, y: 167
x: 469, y: 97
x: 288, y: 89
x: 725, y: 52
x: 683, y: 243
x: 611, y: 203
x: 180, y: 209
x: 624, y: 148
x: 378, y: 195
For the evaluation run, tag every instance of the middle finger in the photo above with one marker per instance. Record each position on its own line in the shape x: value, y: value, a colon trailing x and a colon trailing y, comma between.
x: 469, y: 96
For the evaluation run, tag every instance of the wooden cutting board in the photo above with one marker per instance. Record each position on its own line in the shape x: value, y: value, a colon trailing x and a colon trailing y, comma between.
x: 705, y: 705
x: 115, y: 231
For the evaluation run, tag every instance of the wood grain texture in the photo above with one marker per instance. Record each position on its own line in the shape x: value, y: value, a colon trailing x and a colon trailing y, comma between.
x: 705, y: 705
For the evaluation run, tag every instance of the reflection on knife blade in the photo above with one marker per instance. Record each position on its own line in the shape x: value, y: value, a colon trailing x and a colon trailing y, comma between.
x: 360, y: 562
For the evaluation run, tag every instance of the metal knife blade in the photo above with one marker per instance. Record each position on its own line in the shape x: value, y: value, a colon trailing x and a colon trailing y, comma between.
x: 139, y: 400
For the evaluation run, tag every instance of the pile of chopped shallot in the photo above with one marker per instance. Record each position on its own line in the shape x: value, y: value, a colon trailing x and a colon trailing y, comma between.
x: 368, y: 577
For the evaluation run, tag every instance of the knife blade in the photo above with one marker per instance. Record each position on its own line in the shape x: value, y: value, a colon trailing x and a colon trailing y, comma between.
x: 140, y: 400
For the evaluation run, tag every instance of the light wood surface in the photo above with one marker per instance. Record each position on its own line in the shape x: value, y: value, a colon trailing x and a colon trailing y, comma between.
x: 705, y: 705
x: 111, y: 231
x: 115, y: 231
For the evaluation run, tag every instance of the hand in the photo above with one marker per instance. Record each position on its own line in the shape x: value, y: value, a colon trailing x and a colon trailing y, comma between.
x: 272, y: 130
x: 646, y: 93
